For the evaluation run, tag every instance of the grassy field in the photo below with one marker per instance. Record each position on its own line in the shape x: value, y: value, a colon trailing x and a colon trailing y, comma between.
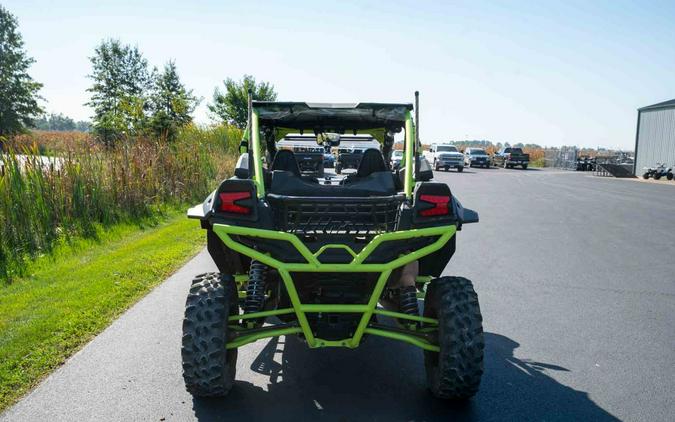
x: 68, y: 297
x: 82, y: 183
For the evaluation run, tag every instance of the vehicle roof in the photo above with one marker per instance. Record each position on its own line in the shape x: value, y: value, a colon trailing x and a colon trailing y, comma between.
x: 331, y: 117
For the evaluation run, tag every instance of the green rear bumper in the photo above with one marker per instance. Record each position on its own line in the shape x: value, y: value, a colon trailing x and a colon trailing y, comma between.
x: 418, y: 335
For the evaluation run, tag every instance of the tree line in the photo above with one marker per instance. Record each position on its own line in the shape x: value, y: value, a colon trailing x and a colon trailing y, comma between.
x: 128, y: 97
x: 59, y: 122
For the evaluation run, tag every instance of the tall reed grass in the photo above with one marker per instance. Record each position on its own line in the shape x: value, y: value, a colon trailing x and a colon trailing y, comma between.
x: 44, y: 200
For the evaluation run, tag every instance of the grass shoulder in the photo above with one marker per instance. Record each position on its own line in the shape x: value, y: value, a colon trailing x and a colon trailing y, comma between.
x: 68, y: 297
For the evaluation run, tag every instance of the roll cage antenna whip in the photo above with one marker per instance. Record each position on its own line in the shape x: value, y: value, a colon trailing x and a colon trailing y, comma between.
x: 417, y: 135
x: 249, y: 134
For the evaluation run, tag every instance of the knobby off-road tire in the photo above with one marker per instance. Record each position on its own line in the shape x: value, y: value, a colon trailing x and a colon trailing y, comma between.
x: 208, y: 367
x: 455, y: 372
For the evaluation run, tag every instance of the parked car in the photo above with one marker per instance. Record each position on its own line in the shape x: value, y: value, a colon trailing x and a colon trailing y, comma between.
x: 476, y: 157
x: 396, y: 157
x: 511, y: 157
x: 446, y: 156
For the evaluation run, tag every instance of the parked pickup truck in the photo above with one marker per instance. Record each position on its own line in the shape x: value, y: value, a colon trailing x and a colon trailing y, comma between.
x: 476, y: 157
x: 511, y: 157
x: 446, y: 156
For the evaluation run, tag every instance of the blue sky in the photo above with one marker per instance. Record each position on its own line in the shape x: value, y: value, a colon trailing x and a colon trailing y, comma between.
x: 550, y: 73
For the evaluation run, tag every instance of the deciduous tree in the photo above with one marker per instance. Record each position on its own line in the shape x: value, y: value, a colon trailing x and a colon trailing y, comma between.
x: 119, y: 92
x: 231, y: 106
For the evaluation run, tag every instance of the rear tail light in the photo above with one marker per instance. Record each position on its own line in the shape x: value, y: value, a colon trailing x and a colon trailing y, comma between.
x: 441, y: 205
x: 228, y: 202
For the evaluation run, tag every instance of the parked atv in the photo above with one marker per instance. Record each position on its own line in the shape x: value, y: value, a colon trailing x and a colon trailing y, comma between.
x: 320, y: 256
x: 657, y: 172
x: 662, y: 171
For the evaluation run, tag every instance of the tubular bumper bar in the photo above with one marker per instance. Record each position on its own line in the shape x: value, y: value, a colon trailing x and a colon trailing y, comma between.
x: 416, y: 337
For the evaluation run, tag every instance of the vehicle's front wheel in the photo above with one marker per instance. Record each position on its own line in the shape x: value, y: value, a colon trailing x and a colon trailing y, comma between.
x: 455, y: 371
x: 524, y: 166
x: 460, y: 169
x: 669, y: 176
x: 645, y: 176
x: 208, y: 366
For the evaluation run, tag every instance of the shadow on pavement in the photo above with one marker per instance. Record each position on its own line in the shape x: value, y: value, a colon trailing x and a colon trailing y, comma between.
x: 384, y: 380
x: 465, y: 171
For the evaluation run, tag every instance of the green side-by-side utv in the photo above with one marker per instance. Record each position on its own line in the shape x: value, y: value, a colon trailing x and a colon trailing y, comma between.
x: 332, y: 260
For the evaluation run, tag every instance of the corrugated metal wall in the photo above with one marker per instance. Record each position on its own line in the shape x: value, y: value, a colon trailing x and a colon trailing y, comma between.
x: 656, y: 139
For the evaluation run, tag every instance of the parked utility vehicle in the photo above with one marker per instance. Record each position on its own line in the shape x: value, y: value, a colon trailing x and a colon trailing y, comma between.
x: 351, y: 151
x: 658, y: 172
x: 298, y: 256
x: 308, y: 154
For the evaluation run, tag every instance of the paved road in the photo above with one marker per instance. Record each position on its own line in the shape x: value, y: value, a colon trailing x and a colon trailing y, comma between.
x: 576, y: 279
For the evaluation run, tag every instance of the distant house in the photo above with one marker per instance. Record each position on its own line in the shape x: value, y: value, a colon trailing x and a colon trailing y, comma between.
x: 655, y: 136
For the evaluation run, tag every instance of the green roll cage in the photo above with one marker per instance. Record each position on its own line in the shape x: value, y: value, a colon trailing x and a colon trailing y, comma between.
x: 420, y: 330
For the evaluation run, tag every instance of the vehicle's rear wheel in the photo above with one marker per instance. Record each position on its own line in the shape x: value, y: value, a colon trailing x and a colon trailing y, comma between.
x: 454, y: 372
x: 208, y: 366
x: 669, y: 176
x: 645, y: 176
x: 460, y: 169
x: 657, y: 176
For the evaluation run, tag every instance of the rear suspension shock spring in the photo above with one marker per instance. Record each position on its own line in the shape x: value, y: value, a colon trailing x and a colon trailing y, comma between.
x: 255, y: 290
x: 408, y: 301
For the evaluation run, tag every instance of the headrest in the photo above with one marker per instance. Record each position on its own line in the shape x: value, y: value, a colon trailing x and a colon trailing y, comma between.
x: 371, y: 162
x: 285, y: 160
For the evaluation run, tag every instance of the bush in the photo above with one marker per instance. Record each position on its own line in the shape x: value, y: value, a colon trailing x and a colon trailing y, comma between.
x: 82, y: 184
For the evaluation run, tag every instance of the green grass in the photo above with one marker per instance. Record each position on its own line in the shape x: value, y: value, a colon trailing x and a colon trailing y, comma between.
x: 68, y: 297
x: 45, y: 200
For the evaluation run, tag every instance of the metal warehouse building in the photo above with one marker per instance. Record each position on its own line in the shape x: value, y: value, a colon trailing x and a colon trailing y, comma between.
x: 655, y: 137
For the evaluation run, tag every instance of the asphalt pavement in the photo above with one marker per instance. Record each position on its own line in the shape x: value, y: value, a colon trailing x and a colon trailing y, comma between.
x: 576, y: 280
